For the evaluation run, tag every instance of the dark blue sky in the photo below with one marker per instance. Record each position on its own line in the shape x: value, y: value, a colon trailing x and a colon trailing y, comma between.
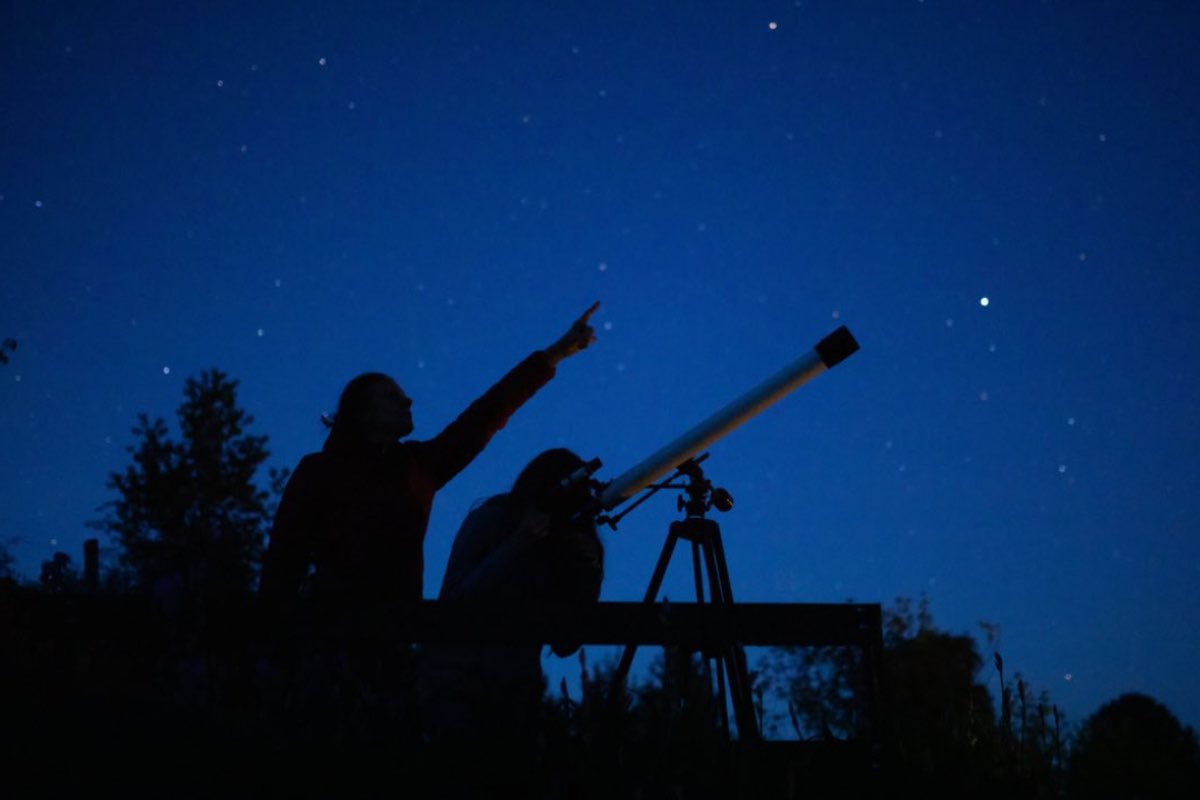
x: 296, y: 193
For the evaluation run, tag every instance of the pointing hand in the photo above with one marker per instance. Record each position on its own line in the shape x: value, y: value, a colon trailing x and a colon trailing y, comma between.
x: 577, y: 337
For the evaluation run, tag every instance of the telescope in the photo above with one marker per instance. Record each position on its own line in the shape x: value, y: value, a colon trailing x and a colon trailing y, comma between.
x: 708, y: 552
x: 829, y: 352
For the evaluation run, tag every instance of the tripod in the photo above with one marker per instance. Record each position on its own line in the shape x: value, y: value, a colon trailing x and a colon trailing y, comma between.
x: 728, y: 661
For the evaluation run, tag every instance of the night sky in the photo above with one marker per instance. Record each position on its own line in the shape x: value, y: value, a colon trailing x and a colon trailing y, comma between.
x: 998, y: 199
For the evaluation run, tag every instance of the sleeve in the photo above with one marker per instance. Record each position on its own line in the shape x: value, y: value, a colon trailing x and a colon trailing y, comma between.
x: 290, y: 547
x: 586, y: 567
x: 454, y: 448
x: 577, y: 575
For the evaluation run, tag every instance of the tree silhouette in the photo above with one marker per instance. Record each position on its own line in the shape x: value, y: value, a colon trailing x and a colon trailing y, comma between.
x: 943, y: 717
x: 189, y: 520
x: 944, y: 733
x: 660, y: 736
x: 57, y: 575
x: 1134, y: 747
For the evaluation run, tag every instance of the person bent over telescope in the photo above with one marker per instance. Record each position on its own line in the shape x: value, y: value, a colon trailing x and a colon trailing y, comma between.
x: 518, y: 551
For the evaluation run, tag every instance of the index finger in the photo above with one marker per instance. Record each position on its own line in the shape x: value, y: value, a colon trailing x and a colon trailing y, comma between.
x: 587, y: 314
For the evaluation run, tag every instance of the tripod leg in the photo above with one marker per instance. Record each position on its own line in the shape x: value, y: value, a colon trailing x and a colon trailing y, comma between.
x: 743, y: 695
x: 722, y: 567
x: 696, y: 573
x: 660, y: 570
x: 721, y: 697
x: 733, y: 655
x: 706, y: 659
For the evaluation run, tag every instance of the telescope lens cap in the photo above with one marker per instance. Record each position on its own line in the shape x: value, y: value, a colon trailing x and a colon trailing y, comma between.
x: 837, y: 347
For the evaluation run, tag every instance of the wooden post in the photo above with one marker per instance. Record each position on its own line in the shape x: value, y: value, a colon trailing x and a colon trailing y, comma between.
x: 91, y: 565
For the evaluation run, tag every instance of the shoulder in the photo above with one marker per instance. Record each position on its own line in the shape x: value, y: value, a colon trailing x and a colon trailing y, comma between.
x: 492, y: 509
x: 312, y: 459
x: 310, y: 469
x: 311, y: 463
x: 488, y: 522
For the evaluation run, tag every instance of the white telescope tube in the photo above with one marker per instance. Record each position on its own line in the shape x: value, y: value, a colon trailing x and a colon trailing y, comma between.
x: 829, y: 352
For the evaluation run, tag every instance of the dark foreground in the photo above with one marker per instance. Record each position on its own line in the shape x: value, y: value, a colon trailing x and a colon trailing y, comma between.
x: 108, y: 696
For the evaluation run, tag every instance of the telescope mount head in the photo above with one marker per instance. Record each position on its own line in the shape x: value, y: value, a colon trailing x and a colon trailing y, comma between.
x: 699, y: 493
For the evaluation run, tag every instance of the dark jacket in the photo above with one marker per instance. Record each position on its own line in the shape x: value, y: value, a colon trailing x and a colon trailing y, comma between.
x: 356, y: 517
x: 487, y: 567
x: 481, y: 703
x: 489, y: 570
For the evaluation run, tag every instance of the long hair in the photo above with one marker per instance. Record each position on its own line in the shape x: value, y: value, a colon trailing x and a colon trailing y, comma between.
x: 353, y: 405
x: 538, y: 484
x: 571, y: 558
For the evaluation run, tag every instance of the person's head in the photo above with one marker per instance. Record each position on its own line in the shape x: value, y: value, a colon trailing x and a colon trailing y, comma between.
x: 538, y: 483
x: 373, y: 409
x: 572, y: 556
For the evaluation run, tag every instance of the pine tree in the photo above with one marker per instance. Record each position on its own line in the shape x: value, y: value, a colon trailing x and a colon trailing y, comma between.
x: 189, y: 518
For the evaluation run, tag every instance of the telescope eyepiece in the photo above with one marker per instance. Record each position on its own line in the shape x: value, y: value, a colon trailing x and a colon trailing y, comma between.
x: 580, y: 492
x: 584, y: 473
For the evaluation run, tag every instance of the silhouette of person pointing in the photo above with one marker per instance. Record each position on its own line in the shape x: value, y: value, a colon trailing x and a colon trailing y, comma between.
x: 348, y: 536
x: 352, y: 520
